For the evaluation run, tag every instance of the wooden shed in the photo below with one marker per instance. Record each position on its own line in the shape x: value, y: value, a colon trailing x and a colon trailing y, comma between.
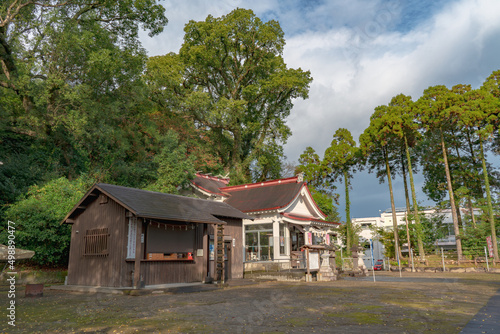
x: 126, y: 237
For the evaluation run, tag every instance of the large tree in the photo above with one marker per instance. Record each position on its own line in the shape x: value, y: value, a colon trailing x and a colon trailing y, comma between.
x: 381, y: 148
x: 315, y: 173
x: 400, y: 122
x: 340, y: 159
x: 482, y: 115
x: 437, y: 112
x: 231, y: 80
x: 71, y: 92
x: 47, y: 46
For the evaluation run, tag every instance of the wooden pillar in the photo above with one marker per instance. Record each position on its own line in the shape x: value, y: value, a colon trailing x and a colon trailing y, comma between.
x: 138, y: 254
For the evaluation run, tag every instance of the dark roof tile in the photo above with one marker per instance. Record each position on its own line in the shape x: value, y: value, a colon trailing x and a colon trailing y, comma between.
x: 156, y: 205
x: 263, y: 198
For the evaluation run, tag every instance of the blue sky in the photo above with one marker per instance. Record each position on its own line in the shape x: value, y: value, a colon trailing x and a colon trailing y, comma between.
x: 361, y: 53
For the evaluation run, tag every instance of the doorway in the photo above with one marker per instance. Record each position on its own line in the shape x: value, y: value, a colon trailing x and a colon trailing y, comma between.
x: 227, y: 261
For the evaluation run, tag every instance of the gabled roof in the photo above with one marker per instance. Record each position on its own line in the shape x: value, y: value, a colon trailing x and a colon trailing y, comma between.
x: 156, y: 205
x: 210, y: 184
x: 263, y: 196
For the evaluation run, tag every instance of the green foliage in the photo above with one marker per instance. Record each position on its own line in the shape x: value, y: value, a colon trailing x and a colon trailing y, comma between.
x: 340, y: 160
x: 315, y: 174
x: 432, y: 229
x: 175, y: 166
x: 231, y: 80
x: 325, y: 203
x: 38, y: 215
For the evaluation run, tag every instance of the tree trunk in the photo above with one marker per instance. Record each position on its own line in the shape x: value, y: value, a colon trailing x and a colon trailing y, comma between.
x: 471, y: 211
x: 490, y: 206
x: 452, y: 199
x: 407, y: 197
x: 418, y: 227
x: 464, y: 183
x: 397, y: 250
x: 349, y: 236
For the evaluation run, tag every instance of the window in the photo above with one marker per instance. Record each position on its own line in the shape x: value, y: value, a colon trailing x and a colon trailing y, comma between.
x: 297, y: 239
x: 171, y: 241
x: 259, y: 242
x: 96, y: 242
x: 282, y: 239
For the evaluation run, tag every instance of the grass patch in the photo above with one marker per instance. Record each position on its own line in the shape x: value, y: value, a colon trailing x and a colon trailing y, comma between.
x: 359, y: 318
x: 297, y: 321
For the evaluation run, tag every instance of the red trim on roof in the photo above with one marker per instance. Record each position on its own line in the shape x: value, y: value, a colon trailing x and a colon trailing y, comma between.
x: 214, y: 178
x: 262, y: 184
x: 316, y: 204
x: 208, y: 191
x: 306, y: 218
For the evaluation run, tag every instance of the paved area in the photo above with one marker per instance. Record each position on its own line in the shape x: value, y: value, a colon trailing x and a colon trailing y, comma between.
x: 164, y: 288
x: 383, y: 278
x: 487, y: 320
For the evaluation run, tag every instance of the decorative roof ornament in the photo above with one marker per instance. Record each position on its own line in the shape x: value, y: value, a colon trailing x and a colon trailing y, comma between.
x: 300, y: 177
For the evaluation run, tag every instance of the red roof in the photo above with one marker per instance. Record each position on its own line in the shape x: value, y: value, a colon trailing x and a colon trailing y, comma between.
x: 260, y: 196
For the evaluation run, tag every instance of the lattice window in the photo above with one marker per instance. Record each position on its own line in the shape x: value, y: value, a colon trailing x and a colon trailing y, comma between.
x: 96, y: 242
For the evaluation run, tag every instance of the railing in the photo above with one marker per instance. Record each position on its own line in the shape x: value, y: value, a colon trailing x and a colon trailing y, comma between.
x: 277, y: 265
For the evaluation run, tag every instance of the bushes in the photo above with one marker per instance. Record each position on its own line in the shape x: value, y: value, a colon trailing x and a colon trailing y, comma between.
x: 38, y: 217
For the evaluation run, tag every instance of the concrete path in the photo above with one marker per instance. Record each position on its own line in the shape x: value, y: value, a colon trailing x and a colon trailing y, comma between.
x: 160, y: 288
x: 487, y: 320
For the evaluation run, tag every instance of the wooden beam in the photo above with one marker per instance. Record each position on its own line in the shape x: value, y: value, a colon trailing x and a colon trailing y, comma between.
x: 69, y: 221
x: 138, y: 255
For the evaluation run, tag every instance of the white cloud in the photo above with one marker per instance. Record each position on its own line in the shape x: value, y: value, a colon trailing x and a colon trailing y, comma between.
x: 355, y: 71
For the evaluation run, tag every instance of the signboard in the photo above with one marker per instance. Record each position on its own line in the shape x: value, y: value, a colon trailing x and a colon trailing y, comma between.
x: 327, y: 241
x: 490, y: 246
x: 131, y: 243
x: 313, y: 260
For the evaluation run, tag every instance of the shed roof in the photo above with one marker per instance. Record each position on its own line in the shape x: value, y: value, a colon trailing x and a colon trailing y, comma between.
x: 156, y: 205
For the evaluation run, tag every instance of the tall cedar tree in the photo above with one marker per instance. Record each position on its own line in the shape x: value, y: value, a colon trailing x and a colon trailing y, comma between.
x: 402, y: 124
x: 437, y: 112
x: 340, y: 160
x: 379, y: 145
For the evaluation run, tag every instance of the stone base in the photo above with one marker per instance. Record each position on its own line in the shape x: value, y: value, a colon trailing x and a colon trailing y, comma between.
x: 327, y: 277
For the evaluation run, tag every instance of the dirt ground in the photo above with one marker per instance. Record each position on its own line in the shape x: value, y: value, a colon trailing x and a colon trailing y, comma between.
x: 417, y: 303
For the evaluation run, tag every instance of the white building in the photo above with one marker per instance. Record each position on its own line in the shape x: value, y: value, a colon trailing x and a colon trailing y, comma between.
x: 368, y: 224
x: 285, y: 217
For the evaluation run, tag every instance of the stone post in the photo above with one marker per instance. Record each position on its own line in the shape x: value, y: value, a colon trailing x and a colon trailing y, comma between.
x: 333, y: 263
x: 354, y: 251
x: 325, y: 271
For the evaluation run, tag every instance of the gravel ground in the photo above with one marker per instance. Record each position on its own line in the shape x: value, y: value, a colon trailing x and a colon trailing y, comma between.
x: 416, y: 303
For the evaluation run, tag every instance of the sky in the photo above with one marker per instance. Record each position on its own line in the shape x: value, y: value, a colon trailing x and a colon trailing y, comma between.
x: 361, y: 53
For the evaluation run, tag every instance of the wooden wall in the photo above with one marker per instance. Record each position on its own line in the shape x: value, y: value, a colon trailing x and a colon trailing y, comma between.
x: 164, y: 272
x: 234, y: 228
x: 99, y: 270
x: 114, y: 271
